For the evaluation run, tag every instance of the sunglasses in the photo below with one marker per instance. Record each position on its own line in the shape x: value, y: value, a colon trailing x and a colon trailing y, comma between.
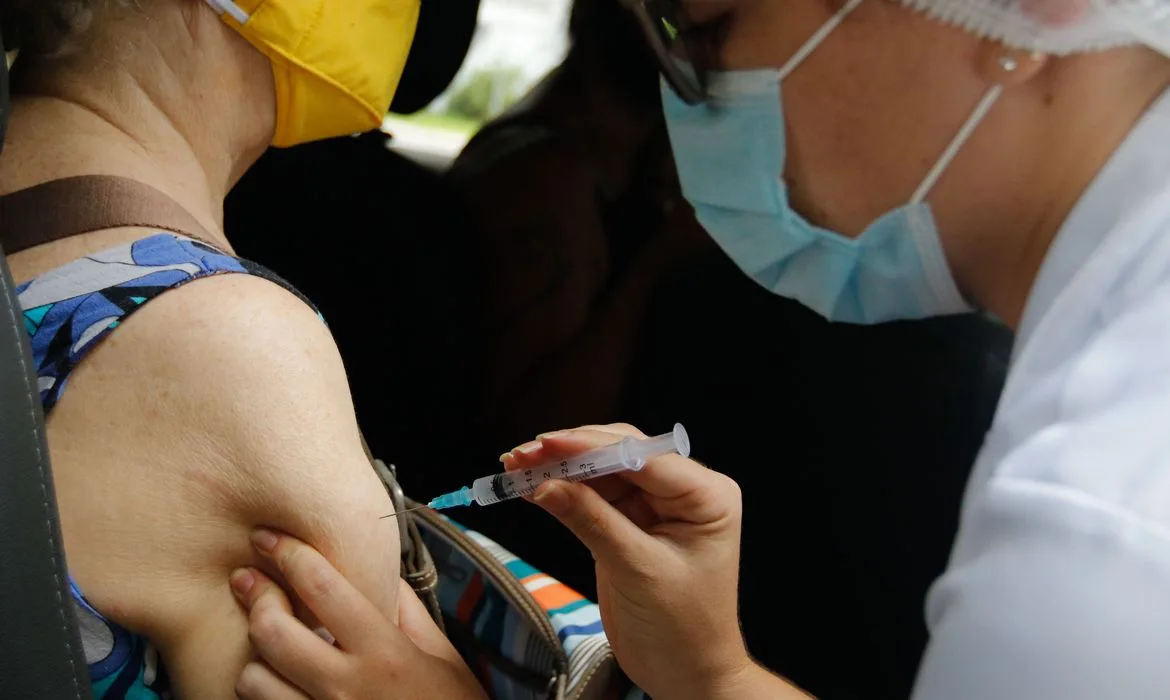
x: 684, y: 54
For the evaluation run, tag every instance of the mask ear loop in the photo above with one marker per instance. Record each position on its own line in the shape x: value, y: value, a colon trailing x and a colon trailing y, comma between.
x: 1009, y: 65
x: 817, y: 38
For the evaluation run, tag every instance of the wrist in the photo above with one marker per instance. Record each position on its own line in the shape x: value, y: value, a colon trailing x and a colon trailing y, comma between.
x: 753, y: 682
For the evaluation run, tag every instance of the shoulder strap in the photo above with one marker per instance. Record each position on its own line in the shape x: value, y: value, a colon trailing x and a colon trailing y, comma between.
x: 74, y: 205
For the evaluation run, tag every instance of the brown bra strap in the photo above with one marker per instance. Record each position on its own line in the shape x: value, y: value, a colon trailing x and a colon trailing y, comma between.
x: 74, y: 205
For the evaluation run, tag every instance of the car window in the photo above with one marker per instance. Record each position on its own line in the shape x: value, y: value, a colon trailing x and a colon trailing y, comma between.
x: 516, y: 44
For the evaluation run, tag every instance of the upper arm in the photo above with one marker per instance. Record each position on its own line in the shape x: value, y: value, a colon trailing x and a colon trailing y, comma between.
x: 1063, y: 601
x: 217, y: 408
x: 1058, y: 584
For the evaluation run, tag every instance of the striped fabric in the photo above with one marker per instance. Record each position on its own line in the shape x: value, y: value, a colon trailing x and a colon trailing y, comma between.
x: 474, y: 604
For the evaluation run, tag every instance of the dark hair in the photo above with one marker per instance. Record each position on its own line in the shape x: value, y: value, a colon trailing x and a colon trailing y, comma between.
x: 42, y: 27
x: 609, y: 35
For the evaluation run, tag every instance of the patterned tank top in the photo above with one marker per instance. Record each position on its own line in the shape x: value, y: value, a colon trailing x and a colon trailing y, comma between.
x: 67, y: 313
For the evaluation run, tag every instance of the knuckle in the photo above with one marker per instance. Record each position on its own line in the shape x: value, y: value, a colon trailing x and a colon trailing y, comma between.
x: 317, y: 585
x: 306, y: 574
x: 594, y: 525
x: 697, y: 502
x: 626, y: 428
x: 384, y: 667
x: 289, y: 559
x: 264, y: 624
x: 732, y: 488
x: 729, y: 496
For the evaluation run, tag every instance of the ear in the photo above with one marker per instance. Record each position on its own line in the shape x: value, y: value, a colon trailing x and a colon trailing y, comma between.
x: 998, y: 64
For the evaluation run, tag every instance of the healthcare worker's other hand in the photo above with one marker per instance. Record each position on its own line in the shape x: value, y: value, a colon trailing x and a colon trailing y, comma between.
x: 374, y: 658
x: 666, y: 542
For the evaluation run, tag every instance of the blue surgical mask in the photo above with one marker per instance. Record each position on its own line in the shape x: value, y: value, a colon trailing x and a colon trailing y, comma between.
x: 730, y: 155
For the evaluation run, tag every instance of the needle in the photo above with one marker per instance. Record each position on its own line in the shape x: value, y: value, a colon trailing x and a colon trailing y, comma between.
x: 403, y: 512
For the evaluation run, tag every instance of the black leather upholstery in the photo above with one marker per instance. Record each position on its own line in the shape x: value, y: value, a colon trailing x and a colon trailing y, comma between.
x: 40, y: 647
x: 3, y: 90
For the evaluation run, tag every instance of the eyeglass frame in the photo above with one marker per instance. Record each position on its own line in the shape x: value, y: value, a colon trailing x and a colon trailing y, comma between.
x: 692, y: 89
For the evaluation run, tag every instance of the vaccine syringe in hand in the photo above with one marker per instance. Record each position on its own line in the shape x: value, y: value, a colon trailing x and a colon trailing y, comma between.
x: 630, y: 454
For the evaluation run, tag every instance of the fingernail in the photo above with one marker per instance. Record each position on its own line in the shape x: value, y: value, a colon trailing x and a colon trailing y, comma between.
x: 264, y: 540
x: 504, y: 457
x: 528, y: 447
x: 553, y: 434
x: 242, y: 581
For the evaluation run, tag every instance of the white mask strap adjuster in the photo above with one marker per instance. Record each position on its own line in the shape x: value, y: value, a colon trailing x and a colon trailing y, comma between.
x: 817, y: 38
x: 228, y: 7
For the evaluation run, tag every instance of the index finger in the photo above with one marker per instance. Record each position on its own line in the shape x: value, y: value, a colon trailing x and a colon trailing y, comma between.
x: 533, y: 454
x: 350, y: 617
x: 666, y: 477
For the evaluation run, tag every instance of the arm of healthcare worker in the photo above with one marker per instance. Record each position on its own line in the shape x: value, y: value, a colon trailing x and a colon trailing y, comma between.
x: 666, y: 541
x: 1059, y: 581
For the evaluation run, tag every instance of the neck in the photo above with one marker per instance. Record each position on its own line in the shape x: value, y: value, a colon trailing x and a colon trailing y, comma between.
x: 52, y: 138
x: 160, y: 126
x: 1080, y: 139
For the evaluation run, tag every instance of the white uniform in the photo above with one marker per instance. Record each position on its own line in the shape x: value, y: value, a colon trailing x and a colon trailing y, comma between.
x: 1059, y: 583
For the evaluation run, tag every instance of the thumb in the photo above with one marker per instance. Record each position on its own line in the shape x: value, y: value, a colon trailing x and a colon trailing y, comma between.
x: 612, y: 537
x: 416, y: 623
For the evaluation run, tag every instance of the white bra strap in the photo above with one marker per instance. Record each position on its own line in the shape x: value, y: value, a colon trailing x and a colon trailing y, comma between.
x: 817, y: 38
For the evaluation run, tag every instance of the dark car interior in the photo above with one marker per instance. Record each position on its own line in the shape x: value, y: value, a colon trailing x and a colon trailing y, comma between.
x: 552, y: 275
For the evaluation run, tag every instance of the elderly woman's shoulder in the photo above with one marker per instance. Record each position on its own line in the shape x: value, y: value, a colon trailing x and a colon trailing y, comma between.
x: 230, y: 354
x: 231, y: 321
x: 232, y: 380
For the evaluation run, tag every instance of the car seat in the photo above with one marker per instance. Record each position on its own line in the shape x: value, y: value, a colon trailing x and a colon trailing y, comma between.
x: 40, y: 644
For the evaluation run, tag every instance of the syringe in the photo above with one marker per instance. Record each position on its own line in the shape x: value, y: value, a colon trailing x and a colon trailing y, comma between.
x: 630, y: 454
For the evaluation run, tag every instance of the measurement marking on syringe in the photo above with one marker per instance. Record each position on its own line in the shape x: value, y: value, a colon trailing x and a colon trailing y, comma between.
x: 629, y: 454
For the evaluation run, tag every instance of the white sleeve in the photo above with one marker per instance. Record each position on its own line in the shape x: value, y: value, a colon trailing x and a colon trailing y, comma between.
x: 1059, y: 586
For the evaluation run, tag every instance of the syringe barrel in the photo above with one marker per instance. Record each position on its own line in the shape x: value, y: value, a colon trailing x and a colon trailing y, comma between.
x: 628, y: 454
x: 501, y: 487
x: 487, y: 490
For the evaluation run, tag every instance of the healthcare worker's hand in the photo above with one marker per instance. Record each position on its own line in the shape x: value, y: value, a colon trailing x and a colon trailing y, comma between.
x: 373, y: 659
x: 666, y: 542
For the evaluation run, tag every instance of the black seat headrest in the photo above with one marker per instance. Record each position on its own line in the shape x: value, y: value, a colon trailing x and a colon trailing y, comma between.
x: 445, y: 30
x: 3, y: 90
